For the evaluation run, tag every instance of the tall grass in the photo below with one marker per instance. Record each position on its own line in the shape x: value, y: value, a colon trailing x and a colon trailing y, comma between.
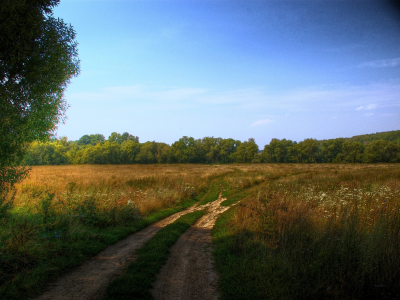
x: 329, y: 233
x: 303, y: 231
x: 149, y: 188
x: 63, y: 215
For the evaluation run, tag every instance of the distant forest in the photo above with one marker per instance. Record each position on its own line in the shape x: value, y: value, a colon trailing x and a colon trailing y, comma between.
x: 126, y: 149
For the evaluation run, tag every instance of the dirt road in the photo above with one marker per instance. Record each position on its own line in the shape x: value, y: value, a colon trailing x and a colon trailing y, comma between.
x: 90, y: 280
x: 189, y: 272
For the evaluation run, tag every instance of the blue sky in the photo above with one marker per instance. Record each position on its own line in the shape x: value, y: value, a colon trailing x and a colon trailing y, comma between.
x: 233, y: 69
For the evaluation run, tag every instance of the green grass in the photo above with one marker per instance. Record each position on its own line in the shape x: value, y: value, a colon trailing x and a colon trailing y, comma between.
x: 241, y: 263
x: 225, y: 189
x: 235, y: 198
x: 37, y: 254
x: 238, y: 196
x: 320, y: 235
x: 137, y: 281
x: 212, y: 194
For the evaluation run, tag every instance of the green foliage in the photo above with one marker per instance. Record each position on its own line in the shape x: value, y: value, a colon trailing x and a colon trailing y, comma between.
x: 125, y: 149
x: 246, y: 152
x: 381, y: 151
x: 9, y: 176
x: 136, y: 282
x: 280, y: 151
x: 38, y: 58
x: 45, y: 154
x: 391, y: 136
x: 120, y: 138
x: 146, y: 154
x: 92, y: 139
x: 308, y: 150
x: 352, y: 152
x: 331, y: 149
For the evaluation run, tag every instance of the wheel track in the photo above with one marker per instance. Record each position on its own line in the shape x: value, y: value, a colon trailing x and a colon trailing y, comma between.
x: 189, y: 272
x: 90, y: 280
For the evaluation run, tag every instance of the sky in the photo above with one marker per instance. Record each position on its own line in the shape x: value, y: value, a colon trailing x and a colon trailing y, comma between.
x: 236, y: 69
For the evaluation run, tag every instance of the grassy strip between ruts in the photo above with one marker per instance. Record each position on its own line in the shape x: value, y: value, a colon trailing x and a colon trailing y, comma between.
x: 225, y: 189
x: 136, y: 282
x: 64, y: 254
x: 212, y: 194
x: 239, y: 196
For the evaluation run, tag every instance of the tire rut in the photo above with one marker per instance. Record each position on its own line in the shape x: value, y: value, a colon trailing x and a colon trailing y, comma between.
x: 90, y: 280
x: 189, y: 272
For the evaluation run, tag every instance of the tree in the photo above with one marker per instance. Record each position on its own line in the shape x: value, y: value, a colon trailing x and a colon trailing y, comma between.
x: 228, y: 147
x: 252, y: 151
x: 92, y: 139
x: 308, y: 150
x: 353, y: 152
x: 126, y: 136
x: 129, y: 150
x: 45, y: 154
x: 147, y: 152
x: 247, y: 152
x: 120, y: 138
x: 331, y: 149
x: 163, y: 151
x: 115, y: 137
x: 84, y: 140
x: 38, y: 58
x: 381, y: 151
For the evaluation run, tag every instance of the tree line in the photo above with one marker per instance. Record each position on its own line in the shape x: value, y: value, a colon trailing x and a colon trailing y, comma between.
x: 330, y: 151
x: 393, y: 136
x: 126, y: 149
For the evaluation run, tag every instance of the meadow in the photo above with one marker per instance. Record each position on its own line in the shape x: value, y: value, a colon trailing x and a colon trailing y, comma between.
x: 315, y: 231
x: 62, y: 215
x: 326, y: 232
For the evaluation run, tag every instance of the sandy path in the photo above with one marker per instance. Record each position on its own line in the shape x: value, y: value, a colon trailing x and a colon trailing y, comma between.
x: 189, y: 272
x: 90, y: 280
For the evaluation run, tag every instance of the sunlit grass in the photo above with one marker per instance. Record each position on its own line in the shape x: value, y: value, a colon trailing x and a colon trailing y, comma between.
x: 149, y: 187
x: 301, y: 231
x: 332, y: 232
x: 63, y: 215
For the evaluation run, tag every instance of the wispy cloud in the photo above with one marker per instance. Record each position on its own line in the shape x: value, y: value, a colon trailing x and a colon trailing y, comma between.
x: 262, y: 122
x: 313, y: 99
x: 140, y: 93
x: 158, y: 112
x: 367, y: 107
x: 160, y: 94
x: 383, y: 63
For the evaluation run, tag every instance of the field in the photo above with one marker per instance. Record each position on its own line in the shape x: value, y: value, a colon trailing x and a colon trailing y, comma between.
x: 321, y: 232
x: 146, y: 187
x: 298, y: 230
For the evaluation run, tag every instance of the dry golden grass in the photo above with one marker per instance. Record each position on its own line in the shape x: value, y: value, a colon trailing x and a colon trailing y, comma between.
x: 93, y: 174
x: 150, y: 187
x: 333, y: 231
x: 304, y: 231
